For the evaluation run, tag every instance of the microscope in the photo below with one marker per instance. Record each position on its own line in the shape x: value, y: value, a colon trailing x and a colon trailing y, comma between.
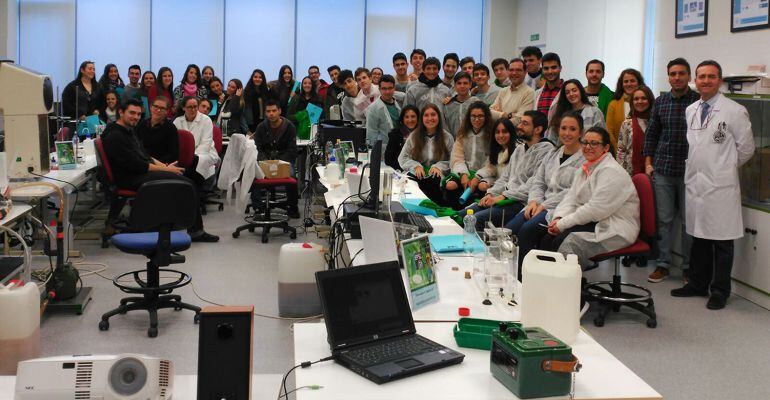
x: 26, y: 98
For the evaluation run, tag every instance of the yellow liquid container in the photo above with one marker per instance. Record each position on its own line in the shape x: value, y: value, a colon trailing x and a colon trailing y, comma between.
x: 19, y: 326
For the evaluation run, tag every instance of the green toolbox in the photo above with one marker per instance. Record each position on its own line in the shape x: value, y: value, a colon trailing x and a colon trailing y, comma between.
x: 530, y: 362
x: 476, y: 333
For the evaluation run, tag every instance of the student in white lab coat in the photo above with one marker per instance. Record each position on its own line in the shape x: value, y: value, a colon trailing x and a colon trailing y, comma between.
x: 202, y: 129
x: 549, y: 186
x: 720, y: 141
x: 600, y: 212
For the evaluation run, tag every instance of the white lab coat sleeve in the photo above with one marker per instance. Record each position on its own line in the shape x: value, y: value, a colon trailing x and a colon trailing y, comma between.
x: 411, y: 99
x: 744, y: 138
x: 405, y: 158
x: 569, y: 203
x: 205, y: 150
x: 457, y: 159
x: 608, y: 195
x: 502, y: 180
x: 443, y: 165
x: 539, y: 183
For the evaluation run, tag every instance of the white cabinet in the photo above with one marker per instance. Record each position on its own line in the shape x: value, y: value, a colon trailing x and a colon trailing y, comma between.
x: 751, y: 267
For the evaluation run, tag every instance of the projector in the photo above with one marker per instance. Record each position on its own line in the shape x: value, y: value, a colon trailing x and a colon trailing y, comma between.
x: 87, y: 377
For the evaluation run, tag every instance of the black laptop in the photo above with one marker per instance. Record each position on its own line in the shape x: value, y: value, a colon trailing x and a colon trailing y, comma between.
x: 370, y: 326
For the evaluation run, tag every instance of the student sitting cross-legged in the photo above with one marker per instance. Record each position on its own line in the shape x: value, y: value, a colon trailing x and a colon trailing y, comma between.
x: 469, y: 154
x: 425, y: 154
x: 500, y: 149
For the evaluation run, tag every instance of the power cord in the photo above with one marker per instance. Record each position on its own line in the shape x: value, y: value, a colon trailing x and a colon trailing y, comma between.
x: 305, y: 364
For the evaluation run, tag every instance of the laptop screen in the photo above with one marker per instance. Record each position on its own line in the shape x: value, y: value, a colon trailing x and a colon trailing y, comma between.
x: 364, y: 303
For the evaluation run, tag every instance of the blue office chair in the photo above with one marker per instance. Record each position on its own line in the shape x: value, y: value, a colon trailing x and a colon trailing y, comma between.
x: 161, y: 211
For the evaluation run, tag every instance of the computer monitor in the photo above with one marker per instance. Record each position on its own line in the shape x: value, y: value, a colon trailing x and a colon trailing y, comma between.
x: 375, y: 160
x: 331, y: 133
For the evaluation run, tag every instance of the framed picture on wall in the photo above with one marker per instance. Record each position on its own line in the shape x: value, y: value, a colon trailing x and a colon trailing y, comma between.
x: 749, y: 15
x: 692, y: 18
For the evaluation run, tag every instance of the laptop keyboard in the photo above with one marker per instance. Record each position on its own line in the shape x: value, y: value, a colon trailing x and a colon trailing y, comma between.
x: 388, y: 351
x: 420, y: 222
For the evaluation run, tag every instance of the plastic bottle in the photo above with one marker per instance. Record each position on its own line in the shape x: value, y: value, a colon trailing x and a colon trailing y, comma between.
x: 20, y: 327
x: 78, y: 148
x: 550, y: 293
x: 328, y: 150
x: 332, y: 172
x: 469, y: 231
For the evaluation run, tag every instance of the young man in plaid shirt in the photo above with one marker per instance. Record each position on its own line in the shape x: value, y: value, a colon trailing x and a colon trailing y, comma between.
x: 547, y: 95
x: 665, y: 152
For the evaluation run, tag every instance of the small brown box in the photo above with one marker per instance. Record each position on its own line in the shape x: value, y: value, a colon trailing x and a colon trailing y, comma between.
x: 274, y: 169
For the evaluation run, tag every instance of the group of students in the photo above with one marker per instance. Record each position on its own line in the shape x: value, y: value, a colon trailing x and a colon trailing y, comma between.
x: 549, y: 159
x: 552, y: 160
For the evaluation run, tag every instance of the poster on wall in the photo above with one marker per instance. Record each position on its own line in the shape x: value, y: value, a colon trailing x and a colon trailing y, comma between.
x: 691, y: 18
x: 749, y: 15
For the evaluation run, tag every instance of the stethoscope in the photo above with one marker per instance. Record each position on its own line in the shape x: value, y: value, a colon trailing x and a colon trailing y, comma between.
x: 696, y: 116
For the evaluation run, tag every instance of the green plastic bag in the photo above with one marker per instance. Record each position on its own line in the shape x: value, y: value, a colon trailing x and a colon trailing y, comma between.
x: 303, y: 125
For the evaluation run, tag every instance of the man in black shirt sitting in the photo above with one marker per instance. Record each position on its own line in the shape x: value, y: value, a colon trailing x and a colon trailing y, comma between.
x: 158, y: 135
x: 276, y: 139
x: 132, y: 166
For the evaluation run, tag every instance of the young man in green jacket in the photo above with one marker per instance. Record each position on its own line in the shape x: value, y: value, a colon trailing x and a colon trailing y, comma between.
x: 598, y: 93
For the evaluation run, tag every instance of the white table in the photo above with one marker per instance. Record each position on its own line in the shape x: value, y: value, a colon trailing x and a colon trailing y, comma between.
x: 263, y: 387
x: 62, y: 179
x: 18, y: 210
x: 602, y: 375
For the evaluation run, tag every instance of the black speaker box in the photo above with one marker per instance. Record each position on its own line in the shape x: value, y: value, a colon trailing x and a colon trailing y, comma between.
x: 225, y: 353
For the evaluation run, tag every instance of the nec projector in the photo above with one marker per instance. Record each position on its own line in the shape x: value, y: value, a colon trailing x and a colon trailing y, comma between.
x: 103, y: 377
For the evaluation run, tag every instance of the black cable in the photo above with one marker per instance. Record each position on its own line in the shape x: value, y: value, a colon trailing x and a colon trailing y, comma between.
x: 354, y: 257
x: 305, y: 364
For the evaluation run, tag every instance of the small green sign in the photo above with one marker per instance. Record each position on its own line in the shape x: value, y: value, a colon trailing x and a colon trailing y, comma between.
x: 534, y: 37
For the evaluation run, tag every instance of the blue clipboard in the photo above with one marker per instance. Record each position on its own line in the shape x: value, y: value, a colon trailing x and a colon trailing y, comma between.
x: 314, y: 113
x: 454, y: 244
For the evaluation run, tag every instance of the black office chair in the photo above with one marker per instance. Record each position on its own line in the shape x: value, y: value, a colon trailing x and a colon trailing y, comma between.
x: 163, y: 209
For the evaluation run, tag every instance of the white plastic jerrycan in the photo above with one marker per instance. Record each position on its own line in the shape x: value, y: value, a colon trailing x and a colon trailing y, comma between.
x: 550, y: 294
x: 19, y: 325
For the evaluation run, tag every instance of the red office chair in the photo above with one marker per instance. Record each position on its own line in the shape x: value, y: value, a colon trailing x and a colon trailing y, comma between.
x: 266, y: 219
x: 186, y: 148
x: 218, y: 139
x: 118, y: 197
x: 610, y: 294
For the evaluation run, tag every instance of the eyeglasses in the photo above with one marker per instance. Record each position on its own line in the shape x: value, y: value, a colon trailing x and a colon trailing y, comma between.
x: 477, y: 117
x: 592, y: 145
x: 159, y: 108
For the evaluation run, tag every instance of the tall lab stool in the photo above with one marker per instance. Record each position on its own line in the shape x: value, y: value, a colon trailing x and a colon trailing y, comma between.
x: 610, y: 294
x: 163, y: 209
x: 266, y: 219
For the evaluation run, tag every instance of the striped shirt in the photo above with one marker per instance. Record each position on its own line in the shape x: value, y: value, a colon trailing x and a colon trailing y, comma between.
x: 666, y: 137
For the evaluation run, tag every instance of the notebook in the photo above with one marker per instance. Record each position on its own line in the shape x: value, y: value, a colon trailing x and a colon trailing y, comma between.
x: 370, y: 327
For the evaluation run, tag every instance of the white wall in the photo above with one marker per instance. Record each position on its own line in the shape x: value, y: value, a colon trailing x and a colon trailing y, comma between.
x: 500, y: 30
x: 531, y: 20
x: 581, y: 30
x: 734, y: 51
x: 609, y: 30
x: 9, y: 13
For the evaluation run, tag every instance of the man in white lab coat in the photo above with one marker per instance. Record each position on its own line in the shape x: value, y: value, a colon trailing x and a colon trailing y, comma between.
x: 720, y: 141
